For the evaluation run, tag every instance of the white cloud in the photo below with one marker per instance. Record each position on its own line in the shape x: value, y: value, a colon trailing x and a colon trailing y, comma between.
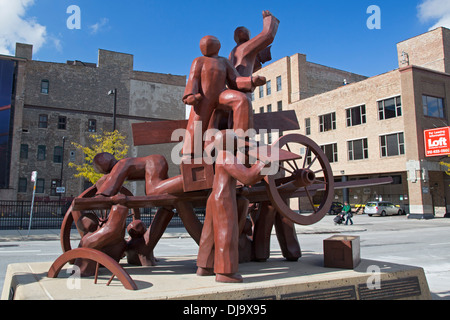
x: 435, y: 10
x: 95, y: 28
x: 15, y: 27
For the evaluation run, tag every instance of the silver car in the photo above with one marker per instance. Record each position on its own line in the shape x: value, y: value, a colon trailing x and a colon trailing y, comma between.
x: 382, y: 208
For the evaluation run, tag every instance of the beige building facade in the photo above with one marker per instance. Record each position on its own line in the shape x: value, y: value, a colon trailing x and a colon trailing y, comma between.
x: 374, y: 127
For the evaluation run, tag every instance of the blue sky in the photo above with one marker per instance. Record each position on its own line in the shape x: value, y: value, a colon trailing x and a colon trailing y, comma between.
x: 163, y: 36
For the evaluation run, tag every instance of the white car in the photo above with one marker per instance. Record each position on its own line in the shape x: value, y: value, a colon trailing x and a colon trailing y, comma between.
x: 382, y: 208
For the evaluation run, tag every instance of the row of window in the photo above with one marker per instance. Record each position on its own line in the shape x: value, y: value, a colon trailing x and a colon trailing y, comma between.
x: 268, y: 88
x: 42, y: 153
x: 390, y: 145
x: 62, y: 123
x: 387, y: 109
x: 40, y: 186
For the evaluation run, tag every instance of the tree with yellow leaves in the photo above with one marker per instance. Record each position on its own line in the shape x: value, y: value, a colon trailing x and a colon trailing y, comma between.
x: 112, y: 142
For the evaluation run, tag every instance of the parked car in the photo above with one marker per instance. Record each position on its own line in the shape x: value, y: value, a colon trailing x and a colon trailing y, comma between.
x: 382, y: 208
x: 336, y: 208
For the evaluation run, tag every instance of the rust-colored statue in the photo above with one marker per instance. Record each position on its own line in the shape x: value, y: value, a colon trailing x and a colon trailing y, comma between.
x: 217, y: 88
x: 219, y: 245
x: 206, y: 91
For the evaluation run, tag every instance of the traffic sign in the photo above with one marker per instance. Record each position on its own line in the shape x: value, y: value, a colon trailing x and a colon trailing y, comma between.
x: 437, y: 142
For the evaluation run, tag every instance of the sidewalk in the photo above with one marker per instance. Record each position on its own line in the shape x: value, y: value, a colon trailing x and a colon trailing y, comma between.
x: 53, y: 234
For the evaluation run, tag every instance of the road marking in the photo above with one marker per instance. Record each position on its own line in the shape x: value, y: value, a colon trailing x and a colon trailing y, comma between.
x: 439, y: 244
x: 20, y: 251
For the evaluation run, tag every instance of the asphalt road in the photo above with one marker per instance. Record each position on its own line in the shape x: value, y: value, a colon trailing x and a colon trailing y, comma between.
x: 423, y: 243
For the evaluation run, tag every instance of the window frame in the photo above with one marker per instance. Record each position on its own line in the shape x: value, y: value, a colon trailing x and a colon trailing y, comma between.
x: 426, y: 113
x: 43, y: 124
x: 41, y: 149
x: 323, y: 123
x: 351, y: 149
x: 55, y: 155
x: 62, y: 125
x: 279, y: 84
x: 45, y: 90
x: 351, y: 116
x: 398, y: 106
x: 40, y: 186
x: 22, y: 186
x: 384, y: 147
x: 334, y: 157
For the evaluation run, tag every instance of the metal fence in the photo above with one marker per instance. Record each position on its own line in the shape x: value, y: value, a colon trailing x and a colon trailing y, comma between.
x: 15, y: 215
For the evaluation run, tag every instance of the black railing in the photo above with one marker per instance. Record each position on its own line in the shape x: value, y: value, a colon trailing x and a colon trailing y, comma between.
x: 15, y: 215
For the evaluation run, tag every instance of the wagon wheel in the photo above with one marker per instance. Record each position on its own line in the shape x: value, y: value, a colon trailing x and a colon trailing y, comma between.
x: 299, y: 180
x: 72, y: 216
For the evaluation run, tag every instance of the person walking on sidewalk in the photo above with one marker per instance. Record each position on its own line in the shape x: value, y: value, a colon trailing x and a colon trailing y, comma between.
x: 347, y: 213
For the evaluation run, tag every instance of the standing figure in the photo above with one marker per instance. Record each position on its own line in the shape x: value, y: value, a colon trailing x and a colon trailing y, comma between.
x: 206, y: 91
x: 219, y: 244
x: 247, y: 57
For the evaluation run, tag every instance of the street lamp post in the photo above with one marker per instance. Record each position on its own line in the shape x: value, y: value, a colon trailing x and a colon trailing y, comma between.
x: 62, y: 166
x: 110, y: 93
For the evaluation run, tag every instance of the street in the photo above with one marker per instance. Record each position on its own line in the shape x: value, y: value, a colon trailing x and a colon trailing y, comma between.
x: 423, y: 243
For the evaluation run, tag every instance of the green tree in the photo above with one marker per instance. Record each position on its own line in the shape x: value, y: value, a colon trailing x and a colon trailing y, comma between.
x: 112, y: 142
x: 445, y: 164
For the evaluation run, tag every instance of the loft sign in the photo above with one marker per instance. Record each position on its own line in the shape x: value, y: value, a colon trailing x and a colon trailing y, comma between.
x: 437, y: 142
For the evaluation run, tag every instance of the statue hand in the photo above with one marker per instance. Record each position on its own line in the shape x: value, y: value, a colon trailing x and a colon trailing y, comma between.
x: 259, y: 81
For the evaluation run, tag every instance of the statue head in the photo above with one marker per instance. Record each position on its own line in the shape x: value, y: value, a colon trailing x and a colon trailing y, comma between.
x: 210, y: 46
x: 104, y: 162
x: 241, y: 35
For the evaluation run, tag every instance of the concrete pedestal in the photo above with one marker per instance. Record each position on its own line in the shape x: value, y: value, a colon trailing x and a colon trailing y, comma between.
x: 175, y: 278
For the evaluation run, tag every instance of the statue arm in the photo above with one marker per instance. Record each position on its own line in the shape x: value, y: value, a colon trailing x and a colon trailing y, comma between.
x: 265, y: 38
x: 247, y: 176
x: 193, y: 87
x: 235, y: 81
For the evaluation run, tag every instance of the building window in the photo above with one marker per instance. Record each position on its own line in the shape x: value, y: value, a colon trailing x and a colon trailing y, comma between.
x: 269, y: 138
x: 43, y: 121
x: 42, y: 153
x: 327, y: 122
x: 58, y: 155
x: 308, y: 126
x: 433, y: 107
x: 269, y: 108
x: 92, y: 125
x: 23, y: 151
x: 23, y: 185
x: 55, y: 184
x: 62, y: 122
x: 331, y: 152
x: 45, y: 86
x: 392, y: 145
x: 358, y: 150
x: 261, y: 91
x: 390, y: 108
x: 253, y: 96
x: 279, y: 83
x: 356, y: 116
x: 280, y: 105
x: 40, y: 185
x: 269, y: 87
x: 261, y: 110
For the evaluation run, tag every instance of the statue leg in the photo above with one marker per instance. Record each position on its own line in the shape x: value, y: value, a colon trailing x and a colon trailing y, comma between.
x: 262, y: 232
x: 190, y: 221
x: 241, y: 106
x: 287, y: 238
x: 205, y: 257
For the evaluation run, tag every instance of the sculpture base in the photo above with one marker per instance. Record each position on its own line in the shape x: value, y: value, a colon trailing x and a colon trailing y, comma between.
x: 175, y: 278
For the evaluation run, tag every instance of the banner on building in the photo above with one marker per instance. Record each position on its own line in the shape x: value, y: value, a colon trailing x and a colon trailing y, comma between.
x: 437, y: 142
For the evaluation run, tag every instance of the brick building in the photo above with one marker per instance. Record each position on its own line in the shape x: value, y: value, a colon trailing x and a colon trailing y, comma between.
x: 55, y: 101
x: 374, y: 127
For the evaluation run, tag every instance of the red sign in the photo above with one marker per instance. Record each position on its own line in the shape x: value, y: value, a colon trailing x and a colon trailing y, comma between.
x: 437, y: 142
